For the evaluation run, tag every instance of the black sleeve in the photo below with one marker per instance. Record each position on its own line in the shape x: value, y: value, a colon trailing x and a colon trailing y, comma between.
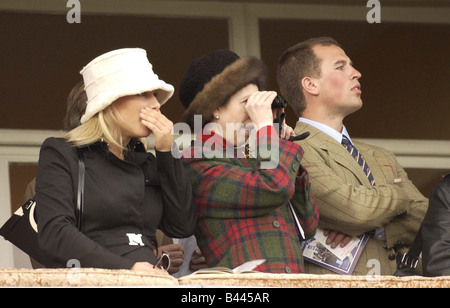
x: 179, y: 210
x: 436, y: 231
x: 55, y: 189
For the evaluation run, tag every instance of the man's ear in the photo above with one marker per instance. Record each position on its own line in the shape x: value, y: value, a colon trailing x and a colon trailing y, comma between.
x: 309, y: 84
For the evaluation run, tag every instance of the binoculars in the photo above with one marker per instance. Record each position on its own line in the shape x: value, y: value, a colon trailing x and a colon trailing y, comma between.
x: 278, y: 103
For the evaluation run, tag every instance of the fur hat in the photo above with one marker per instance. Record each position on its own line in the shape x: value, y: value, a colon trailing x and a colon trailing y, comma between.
x: 213, y: 78
x: 120, y: 73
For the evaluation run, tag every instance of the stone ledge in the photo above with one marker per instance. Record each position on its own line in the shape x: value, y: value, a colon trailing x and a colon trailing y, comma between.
x: 92, y: 277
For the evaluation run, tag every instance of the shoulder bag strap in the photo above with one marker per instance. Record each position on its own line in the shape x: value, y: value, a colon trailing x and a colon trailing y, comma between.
x: 80, y: 193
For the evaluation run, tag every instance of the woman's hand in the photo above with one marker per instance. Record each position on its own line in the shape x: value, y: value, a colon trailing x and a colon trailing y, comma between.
x: 176, y: 255
x: 197, y: 261
x: 160, y: 126
x: 259, y: 108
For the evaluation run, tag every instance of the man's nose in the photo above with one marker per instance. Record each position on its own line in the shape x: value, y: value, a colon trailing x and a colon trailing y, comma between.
x: 356, y: 74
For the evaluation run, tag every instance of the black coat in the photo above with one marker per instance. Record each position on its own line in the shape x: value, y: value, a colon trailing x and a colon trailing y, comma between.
x: 436, y: 231
x: 137, y: 195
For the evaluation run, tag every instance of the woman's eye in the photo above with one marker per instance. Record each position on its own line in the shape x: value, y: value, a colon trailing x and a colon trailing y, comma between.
x: 340, y: 67
x: 144, y: 94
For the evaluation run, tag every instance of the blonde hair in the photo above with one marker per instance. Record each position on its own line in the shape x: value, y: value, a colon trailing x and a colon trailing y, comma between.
x: 102, y: 126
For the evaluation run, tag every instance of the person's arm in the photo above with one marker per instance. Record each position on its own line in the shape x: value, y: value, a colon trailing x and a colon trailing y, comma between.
x: 403, y: 228
x: 303, y: 201
x: 348, y: 208
x: 304, y: 204
x: 180, y: 213
x: 58, y: 234
x: 436, y: 231
x: 236, y: 188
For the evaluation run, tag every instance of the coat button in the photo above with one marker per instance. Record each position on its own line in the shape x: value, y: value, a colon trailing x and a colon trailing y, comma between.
x: 276, y: 223
x: 287, y: 269
x: 298, y: 157
x: 391, y: 256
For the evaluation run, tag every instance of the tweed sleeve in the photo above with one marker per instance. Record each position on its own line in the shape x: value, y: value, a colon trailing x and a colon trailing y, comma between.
x: 404, y: 227
x: 344, y: 204
x: 239, y: 187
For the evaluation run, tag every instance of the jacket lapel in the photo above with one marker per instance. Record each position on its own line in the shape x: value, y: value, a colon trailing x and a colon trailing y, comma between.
x: 378, y: 172
x: 335, y: 150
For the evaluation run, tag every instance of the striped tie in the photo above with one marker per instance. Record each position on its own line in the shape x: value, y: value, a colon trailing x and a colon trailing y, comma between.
x: 359, y: 158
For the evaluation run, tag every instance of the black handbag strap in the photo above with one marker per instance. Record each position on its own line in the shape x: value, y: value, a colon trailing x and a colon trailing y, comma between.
x: 80, y: 192
x: 411, y: 258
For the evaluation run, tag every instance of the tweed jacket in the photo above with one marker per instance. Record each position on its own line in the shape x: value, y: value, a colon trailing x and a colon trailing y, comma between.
x: 243, y: 208
x: 350, y: 204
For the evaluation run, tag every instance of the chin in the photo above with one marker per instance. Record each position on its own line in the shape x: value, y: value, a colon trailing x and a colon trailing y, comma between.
x: 143, y: 133
x: 357, y: 104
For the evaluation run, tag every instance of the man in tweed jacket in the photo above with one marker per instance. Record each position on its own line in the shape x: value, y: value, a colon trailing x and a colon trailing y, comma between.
x: 244, y: 211
x: 318, y: 80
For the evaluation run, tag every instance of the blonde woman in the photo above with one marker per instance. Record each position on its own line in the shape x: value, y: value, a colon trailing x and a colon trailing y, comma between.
x: 129, y: 192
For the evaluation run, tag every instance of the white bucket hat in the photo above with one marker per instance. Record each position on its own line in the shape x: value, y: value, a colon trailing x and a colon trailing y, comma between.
x: 120, y: 73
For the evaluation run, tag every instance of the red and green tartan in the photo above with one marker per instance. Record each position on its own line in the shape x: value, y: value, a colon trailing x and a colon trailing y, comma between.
x: 243, y: 209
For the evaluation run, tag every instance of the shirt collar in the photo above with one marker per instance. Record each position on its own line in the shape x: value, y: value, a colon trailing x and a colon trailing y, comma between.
x: 328, y: 130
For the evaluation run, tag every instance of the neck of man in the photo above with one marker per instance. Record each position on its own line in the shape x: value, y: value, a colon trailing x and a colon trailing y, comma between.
x: 330, y: 119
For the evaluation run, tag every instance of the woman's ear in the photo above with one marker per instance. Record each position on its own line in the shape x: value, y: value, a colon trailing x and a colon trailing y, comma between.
x: 310, y: 85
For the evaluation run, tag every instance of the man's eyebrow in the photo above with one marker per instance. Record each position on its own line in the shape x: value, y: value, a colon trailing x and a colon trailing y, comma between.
x: 343, y: 62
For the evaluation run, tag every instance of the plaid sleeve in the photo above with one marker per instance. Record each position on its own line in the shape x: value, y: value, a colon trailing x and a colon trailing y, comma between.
x: 241, y: 188
x: 304, y: 204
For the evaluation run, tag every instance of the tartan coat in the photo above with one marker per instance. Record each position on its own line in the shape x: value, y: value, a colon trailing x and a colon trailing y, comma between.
x: 349, y: 203
x: 243, y: 208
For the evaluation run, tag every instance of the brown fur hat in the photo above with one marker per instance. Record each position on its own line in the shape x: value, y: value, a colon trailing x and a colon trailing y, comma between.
x: 213, y: 78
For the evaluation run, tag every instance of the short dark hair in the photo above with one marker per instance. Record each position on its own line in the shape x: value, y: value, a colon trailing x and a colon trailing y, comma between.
x: 76, y: 106
x: 296, y: 63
